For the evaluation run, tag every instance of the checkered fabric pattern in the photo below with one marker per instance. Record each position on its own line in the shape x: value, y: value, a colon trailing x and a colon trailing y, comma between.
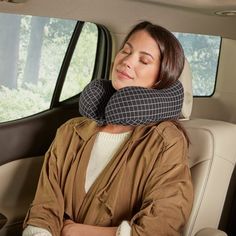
x: 94, y: 98
x: 130, y: 105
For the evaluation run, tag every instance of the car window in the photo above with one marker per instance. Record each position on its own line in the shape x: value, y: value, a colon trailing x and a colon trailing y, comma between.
x: 202, y: 52
x: 81, y: 67
x: 32, y: 51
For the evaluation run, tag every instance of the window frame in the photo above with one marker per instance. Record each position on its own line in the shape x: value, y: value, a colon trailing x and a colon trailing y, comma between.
x: 101, y: 66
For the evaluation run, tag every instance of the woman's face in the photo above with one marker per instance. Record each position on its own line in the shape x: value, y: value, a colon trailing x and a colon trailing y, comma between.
x: 137, y: 63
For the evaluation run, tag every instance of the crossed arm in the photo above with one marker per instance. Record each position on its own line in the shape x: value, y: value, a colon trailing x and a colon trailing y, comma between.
x: 70, y: 228
x: 74, y: 229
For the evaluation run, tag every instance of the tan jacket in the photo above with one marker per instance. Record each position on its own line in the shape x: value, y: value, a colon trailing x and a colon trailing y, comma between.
x: 147, y: 182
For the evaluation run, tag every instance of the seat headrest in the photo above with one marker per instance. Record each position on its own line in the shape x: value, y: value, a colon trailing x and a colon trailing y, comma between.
x: 186, y: 80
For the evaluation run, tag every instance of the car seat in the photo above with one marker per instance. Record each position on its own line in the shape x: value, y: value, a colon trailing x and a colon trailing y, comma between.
x: 212, y: 159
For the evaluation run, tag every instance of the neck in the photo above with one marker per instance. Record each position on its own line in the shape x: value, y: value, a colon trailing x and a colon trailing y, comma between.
x: 116, y: 129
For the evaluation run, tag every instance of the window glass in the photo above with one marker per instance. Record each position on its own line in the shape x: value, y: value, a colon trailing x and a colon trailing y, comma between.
x: 202, y: 52
x: 81, y: 67
x: 31, y: 54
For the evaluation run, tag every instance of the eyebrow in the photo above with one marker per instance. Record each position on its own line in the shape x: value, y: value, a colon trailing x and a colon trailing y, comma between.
x: 143, y: 52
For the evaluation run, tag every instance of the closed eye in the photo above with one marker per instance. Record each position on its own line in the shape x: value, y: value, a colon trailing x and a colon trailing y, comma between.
x: 125, y: 51
x: 144, y: 62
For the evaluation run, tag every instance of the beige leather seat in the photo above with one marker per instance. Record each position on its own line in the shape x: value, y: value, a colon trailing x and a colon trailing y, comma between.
x: 212, y: 156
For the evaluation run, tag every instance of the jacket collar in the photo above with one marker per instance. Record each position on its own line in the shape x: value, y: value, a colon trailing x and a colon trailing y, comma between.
x: 86, y: 128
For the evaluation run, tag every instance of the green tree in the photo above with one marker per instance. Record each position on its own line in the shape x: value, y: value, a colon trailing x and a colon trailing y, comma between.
x: 32, y: 66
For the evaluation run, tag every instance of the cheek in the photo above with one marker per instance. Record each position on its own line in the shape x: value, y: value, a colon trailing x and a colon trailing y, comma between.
x: 150, y: 75
x: 113, y: 68
x: 114, y: 64
x: 155, y: 73
x: 117, y: 58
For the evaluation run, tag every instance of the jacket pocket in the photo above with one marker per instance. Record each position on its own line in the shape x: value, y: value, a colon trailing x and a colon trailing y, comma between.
x: 105, y: 210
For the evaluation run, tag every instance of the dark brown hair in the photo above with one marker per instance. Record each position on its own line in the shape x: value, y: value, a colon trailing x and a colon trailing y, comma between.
x: 172, y: 54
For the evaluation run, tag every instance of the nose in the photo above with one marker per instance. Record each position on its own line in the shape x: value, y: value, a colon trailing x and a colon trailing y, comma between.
x: 128, y: 61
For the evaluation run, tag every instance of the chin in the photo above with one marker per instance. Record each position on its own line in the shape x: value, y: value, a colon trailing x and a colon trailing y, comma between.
x: 117, y: 84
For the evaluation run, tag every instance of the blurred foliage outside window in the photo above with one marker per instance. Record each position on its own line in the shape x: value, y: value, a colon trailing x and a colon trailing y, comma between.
x: 202, y: 53
x: 31, y: 54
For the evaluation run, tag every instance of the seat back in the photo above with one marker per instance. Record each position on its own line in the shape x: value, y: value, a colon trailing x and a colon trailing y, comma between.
x: 212, y: 159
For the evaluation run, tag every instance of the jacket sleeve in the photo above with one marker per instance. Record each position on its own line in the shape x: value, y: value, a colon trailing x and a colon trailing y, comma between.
x: 47, y: 209
x: 168, y: 194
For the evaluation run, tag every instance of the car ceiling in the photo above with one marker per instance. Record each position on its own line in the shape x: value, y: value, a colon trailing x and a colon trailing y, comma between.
x: 193, y: 16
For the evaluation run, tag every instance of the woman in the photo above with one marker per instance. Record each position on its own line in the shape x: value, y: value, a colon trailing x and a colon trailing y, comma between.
x: 121, y: 171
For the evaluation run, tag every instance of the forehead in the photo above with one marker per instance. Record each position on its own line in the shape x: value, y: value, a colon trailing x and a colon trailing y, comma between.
x: 139, y: 33
x: 143, y: 41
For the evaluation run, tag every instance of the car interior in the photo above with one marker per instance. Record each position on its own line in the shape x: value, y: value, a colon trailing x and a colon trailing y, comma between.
x: 209, y: 118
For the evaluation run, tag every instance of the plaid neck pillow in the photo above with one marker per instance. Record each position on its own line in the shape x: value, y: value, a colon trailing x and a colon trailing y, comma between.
x: 130, y: 105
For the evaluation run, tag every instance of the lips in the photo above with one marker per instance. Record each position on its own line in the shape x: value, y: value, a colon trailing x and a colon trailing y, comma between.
x: 123, y: 75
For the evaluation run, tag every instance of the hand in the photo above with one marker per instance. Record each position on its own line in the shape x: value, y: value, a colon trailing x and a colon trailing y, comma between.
x: 70, y: 228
